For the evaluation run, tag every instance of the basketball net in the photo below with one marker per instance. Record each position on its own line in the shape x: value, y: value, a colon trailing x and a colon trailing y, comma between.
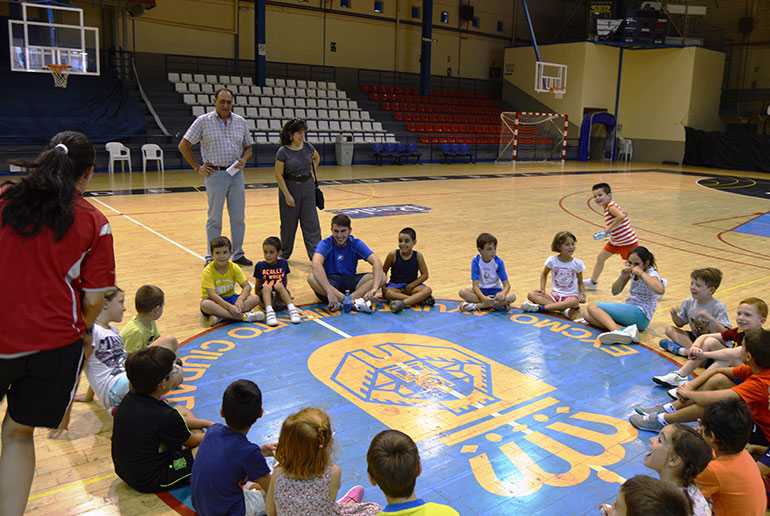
x: 60, y: 74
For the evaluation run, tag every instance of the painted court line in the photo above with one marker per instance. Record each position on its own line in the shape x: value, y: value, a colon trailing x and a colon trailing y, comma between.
x: 180, y: 246
x: 70, y: 486
x: 332, y: 328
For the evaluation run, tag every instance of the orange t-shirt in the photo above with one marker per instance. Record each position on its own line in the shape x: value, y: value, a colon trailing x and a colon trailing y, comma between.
x: 734, y: 485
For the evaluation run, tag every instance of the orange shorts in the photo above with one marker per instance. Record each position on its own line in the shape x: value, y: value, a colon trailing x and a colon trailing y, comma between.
x: 622, y: 250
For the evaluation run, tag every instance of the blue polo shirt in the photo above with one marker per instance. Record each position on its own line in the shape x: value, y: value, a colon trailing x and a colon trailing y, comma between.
x: 342, y: 260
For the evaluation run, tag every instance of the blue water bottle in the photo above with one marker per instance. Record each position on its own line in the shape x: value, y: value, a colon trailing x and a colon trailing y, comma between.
x: 347, y: 303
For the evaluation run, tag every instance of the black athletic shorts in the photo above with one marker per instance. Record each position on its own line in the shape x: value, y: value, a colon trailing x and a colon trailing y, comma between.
x: 41, y: 386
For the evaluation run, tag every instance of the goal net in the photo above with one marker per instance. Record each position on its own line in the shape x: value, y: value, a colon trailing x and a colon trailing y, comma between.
x: 530, y: 136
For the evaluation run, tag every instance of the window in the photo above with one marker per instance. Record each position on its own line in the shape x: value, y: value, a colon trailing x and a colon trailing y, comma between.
x: 475, y: 23
x: 444, y: 17
x: 377, y: 6
x: 499, y: 26
x: 345, y: 3
x: 415, y: 12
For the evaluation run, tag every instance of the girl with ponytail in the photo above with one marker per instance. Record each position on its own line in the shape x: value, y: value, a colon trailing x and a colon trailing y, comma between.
x: 305, y: 481
x: 56, y: 262
x: 678, y: 454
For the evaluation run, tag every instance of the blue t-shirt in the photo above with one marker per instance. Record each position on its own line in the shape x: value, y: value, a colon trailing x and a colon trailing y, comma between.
x: 342, y: 260
x: 224, y: 460
x: 417, y: 508
x: 267, y: 274
x: 489, y: 274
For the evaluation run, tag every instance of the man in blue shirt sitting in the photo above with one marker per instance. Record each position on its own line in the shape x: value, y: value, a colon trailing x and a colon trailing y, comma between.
x: 334, y: 269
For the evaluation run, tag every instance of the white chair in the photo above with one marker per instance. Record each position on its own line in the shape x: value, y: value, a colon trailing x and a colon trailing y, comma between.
x: 173, y: 77
x: 301, y: 84
x: 198, y: 111
x: 180, y: 87
x: 300, y: 113
x: 199, y: 78
x: 291, y: 83
x: 269, y: 81
x: 211, y: 79
x: 248, y: 81
x: 281, y: 83
x: 252, y: 112
x: 186, y: 77
x: 118, y: 152
x: 151, y: 152
x: 625, y: 149
x: 312, y: 85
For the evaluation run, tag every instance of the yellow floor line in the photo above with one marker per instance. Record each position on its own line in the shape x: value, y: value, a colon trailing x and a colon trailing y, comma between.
x: 70, y: 486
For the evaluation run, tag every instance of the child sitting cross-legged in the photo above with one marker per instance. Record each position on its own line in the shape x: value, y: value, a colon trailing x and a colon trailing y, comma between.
x: 152, y: 442
x: 218, y: 298
x: 408, y: 274
x: 490, y: 287
x: 719, y: 349
x: 701, y: 311
x: 142, y: 329
x: 270, y: 276
x: 393, y: 464
x: 226, y: 458
x: 732, y: 480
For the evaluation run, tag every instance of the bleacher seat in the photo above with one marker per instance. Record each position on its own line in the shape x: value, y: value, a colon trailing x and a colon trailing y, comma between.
x: 173, y: 77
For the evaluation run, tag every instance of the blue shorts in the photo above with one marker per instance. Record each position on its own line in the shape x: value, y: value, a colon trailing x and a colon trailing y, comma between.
x: 400, y: 286
x: 342, y: 282
x: 230, y: 299
x: 625, y: 314
x: 490, y: 291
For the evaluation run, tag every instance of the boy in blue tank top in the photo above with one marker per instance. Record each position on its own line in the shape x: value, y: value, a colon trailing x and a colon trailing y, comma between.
x: 408, y: 275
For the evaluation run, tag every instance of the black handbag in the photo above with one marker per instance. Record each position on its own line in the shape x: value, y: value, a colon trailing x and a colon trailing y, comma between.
x: 319, y: 195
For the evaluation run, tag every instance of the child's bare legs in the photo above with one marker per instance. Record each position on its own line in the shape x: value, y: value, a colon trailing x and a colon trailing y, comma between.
x: 419, y: 294
x: 467, y: 294
x: 505, y: 302
x: 690, y: 411
x: 599, y: 318
x: 599, y: 265
x: 210, y: 307
x: 281, y: 293
x: 88, y: 396
x: 692, y: 364
x: 678, y: 336
x: 549, y: 304
x: 17, y: 466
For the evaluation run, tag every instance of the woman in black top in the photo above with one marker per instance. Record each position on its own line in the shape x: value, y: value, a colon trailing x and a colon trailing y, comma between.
x: 294, y: 164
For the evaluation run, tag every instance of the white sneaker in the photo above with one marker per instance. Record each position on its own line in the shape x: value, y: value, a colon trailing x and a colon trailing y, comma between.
x: 672, y: 393
x: 294, y: 315
x: 468, y: 307
x: 530, y: 307
x: 672, y: 379
x: 270, y: 319
x: 362, y: 305
x: 255, y: 316
x: 627, y: 335
x: 590, y: 284
x: 214, y: 320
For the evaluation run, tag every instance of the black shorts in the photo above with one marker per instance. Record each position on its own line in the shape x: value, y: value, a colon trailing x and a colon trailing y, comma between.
x: 41, y: 386
x: 342, y: 282
x: 277, y: 302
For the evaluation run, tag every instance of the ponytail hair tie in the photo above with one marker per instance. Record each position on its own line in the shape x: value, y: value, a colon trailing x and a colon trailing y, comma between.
x: 320, y: 445
x: 62, y: 147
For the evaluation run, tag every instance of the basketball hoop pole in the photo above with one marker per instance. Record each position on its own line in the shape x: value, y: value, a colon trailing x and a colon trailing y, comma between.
x: 531, y: 30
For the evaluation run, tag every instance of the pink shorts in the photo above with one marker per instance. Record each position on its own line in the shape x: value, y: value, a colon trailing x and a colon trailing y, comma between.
x: 558, y: 299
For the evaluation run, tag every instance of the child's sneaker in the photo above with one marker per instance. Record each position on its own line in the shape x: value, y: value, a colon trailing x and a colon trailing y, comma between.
x: 530, y: 307
x: 214, y: 320
x: 649, y: 410
x: 590, y: 284
x: 569, y: 313
x: 430, y: 301
x: 362, y: 305
x: 270, y: 318
x: 253, y: 316
x: 355, y: 495
x: 627, y: 335
x: 672, y: 379
x: 672, y: 347
x: 468, y: 307
x: 501, y: 308
x: 294, y: 315
x: 672, y: 392
x: 647, y: 422
x: 397, y: 305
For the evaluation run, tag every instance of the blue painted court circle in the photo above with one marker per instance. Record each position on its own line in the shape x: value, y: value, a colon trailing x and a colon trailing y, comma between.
x: 511, y: 411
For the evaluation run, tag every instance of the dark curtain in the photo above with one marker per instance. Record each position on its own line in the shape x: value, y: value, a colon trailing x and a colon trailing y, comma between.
x: 731, y: 151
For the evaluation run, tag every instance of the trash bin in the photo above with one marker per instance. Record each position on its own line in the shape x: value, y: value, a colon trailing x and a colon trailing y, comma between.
x: 344, y: 149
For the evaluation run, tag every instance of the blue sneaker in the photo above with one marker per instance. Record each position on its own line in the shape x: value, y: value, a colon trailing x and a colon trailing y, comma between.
x: 672, y: 347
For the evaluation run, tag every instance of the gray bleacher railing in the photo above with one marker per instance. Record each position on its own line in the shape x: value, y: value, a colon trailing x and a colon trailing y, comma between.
x: 437, y: 82
x: 245, y: 68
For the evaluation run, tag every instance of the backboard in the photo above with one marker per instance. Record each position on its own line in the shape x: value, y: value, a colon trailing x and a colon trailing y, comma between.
x: 53, y: 34
x: 551, y: 78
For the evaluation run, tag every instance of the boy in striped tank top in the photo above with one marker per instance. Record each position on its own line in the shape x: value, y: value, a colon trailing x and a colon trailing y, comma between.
x: 408, y: 275
x: 622, y: 237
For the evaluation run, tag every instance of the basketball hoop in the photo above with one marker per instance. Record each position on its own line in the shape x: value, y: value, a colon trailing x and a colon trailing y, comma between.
x: 558, y: 93
x: 60, y: 74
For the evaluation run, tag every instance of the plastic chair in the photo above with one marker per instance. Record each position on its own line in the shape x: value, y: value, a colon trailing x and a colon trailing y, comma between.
x: 625, y: 149
x: 152, y: 152
x: 118, y: 152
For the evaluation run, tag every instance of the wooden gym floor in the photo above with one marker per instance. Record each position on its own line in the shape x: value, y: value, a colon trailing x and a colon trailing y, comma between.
x: 160, y: 239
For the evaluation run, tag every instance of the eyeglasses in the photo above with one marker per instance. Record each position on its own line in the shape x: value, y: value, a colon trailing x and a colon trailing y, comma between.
x: 174, y: 371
